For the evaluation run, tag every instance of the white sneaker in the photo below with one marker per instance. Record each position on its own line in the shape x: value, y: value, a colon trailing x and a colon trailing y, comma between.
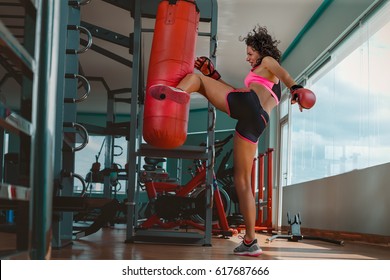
x: 251, y: 250
x: 162, y: 92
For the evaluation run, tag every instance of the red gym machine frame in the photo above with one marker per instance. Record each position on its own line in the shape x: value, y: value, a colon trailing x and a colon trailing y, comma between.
x: 261, y: 224
x: 152, y: 188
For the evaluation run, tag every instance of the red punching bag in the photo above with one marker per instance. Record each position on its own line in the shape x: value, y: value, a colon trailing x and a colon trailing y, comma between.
x: 171, y: 59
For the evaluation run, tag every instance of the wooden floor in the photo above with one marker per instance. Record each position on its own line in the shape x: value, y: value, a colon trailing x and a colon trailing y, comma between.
x: 109, y: 244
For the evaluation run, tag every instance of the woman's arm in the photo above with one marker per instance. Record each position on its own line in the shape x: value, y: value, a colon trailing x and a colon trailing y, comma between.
x: 304, y: 97
x: 275, y: 68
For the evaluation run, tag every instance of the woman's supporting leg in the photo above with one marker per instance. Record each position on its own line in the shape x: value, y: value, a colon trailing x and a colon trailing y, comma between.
x: 243, y: 155
x: 215, y: 91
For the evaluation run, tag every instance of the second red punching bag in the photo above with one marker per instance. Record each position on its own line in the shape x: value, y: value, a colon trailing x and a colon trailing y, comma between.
x: 171, y: 59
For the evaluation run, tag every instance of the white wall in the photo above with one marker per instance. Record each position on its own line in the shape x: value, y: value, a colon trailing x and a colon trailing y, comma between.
x: 358, y: 201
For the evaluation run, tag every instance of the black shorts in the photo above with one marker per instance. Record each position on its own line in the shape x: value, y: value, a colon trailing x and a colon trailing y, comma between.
x: 245, y: 107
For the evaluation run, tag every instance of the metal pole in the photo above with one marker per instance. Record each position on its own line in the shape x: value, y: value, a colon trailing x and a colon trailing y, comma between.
x: 58, y: 153
x: 269, y: 188
x: 211, y: 133
x: 133, y: 147
x: 260, y: 186
x: 44, y: 109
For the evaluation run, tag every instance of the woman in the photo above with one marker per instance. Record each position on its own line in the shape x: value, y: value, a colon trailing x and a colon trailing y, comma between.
x: 251, y: 106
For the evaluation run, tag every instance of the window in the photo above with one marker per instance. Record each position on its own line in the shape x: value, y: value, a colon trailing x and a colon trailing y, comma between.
x: 348, y: 127
x: 95, y: 151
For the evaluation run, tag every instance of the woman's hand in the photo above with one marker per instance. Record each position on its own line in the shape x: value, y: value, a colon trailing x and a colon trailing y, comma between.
x: 206, y: 67
x: 303, y: 96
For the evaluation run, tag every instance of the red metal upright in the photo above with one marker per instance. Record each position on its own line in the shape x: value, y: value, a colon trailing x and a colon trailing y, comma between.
x: 260, y: 194
x: 261, y: 223
x: 268, y: 222
x: 253, y: 176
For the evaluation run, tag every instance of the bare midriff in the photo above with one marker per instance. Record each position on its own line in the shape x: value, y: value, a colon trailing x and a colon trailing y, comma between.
x: 267, y: 101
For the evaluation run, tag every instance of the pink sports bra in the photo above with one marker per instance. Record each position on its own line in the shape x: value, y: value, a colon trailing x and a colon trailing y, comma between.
x: 252, y: 77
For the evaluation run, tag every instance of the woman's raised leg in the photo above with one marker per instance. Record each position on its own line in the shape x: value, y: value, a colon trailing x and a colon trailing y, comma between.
x: 214, y: 90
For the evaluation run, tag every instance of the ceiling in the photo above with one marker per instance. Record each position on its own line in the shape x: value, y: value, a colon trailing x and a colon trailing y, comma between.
x: 283, y: 18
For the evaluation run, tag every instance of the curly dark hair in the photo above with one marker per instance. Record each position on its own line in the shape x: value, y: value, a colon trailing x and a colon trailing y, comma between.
x: 259, y: 40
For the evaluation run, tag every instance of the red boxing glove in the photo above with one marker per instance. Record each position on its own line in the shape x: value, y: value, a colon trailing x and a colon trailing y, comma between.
x: 304, y: 97
x: 206, y: 67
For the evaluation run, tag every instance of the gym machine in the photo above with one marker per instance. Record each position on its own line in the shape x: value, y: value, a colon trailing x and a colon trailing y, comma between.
x: 295, y: 235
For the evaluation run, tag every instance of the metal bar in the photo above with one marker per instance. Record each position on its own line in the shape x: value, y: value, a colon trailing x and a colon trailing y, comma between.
x: 59, y: 181
x: 253, y: 177
x: 98, y: 79
x: 211, y: 134
x: 11, y: 4
x: 123, y: 4
x: 47, y: 46
x: 16, y: 51
x: 109, y: 144
x: 30, y: 7
x: 260, y: 186
x: 13, y: 122
x: 11, y: 72
x: 108, y: 54
x: 268, y: 222
x: 25, y: 225
x: 120, y: 91
x: 82, y: 132
x: 15, y: 26
x: 84, y: 30
x: 85, y: 83
x: 204, y: 34
x: 72, y: 63
x: 107, y: 35
x: 133, y: 143
x: 2, y: 153
x: 11, y: 16
x: 183, y: 152
x: 149, y: 8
